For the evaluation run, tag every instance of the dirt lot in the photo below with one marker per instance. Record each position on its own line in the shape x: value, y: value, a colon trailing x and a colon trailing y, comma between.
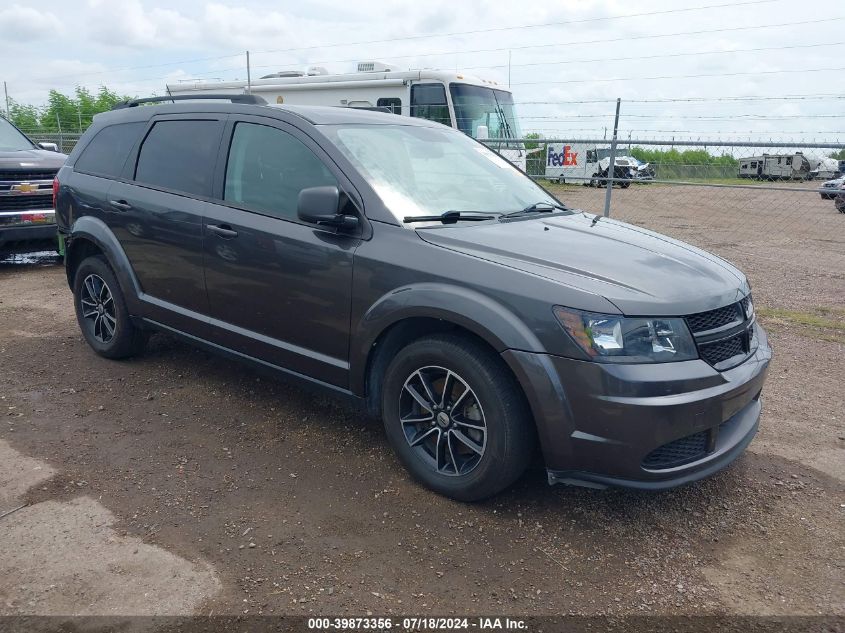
x: 264, y: 498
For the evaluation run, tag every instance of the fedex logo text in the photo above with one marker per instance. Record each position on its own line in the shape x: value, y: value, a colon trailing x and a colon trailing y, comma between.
x: 566, y: 158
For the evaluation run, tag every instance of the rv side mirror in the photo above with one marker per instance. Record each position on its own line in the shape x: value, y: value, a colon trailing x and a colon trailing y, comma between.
x: 50, y: 147
x: 482, y: 132
x: 321, y: 206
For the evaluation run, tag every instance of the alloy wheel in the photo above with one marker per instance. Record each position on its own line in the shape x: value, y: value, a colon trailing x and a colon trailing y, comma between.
x: 442, y: 420
x: 98, y: 308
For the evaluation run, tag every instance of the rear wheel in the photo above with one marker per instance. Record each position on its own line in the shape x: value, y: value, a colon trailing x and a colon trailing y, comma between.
x: 456, y: 417
x: 101, y: 311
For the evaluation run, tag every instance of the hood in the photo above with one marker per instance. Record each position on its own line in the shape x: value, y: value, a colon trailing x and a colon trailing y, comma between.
x: 32, y: 159
x: 641, y: 272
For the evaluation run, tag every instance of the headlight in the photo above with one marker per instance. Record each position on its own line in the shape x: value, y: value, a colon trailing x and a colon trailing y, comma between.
x: 618, y: 339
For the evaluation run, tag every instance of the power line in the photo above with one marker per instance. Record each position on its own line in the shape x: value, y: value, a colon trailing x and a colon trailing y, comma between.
x: 669, y: 55
x: 737, y: 74
x: 462, y: 52
x: 747, y: 117
x: 573, y: 43
x: 526, y: 47
x: 433, y: 35
x: 524, y: 26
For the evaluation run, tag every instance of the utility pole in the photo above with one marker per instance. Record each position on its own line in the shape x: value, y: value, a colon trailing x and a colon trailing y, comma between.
x: 61, y: 138
x: 509, y: 69
x: 611, y: 167
x: 6, y: 90
x: 248, y: 76
x: 79, y: 114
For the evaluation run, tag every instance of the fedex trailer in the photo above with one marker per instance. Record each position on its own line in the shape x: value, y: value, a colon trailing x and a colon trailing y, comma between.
x: 478, y: 107
x: 588, y: 165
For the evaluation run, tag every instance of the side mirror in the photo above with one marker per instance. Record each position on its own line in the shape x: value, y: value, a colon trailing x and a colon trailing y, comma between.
x: 321, y: 206
x: 482, y: 132
x: 51, y: 147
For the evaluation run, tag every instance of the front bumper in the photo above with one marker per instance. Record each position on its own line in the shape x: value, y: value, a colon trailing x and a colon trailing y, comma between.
x: 26, y: 236
x: 603, y: 424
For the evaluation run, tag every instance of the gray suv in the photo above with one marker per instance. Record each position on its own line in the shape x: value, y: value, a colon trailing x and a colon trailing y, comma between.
x: 403, y: 264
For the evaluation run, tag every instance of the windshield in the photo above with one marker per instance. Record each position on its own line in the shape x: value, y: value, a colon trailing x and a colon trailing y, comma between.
x: 427, y: 171
x: 478, y: 105
x: 10, y: 139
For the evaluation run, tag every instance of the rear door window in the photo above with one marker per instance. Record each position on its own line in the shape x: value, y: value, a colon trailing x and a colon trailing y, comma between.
x: 180, y: 155
x: 107, y: 151
x: 267, y: 168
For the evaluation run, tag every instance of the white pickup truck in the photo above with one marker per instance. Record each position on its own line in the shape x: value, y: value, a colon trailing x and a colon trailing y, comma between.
x: 27, y: 169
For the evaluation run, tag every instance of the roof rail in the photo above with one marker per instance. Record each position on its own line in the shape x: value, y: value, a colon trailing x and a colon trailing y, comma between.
x: 241, y: 98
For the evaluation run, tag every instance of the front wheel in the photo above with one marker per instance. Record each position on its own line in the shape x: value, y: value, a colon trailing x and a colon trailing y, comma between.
x: 456, y: 417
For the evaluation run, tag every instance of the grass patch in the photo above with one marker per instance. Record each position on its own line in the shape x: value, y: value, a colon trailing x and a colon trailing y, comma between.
x: 824, y: 323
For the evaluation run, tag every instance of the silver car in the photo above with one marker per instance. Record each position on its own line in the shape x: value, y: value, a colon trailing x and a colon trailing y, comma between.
x: 828, y: 190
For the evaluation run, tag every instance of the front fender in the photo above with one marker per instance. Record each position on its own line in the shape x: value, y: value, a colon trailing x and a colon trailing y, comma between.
x: 478, y: 313
x: 95, y: 230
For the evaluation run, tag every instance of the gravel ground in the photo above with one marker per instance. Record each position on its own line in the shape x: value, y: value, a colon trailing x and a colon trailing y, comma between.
x: 296, y: 503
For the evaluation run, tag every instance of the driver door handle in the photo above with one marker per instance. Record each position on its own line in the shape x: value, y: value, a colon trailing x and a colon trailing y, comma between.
x: 120, y: 205
x: 223, y: 230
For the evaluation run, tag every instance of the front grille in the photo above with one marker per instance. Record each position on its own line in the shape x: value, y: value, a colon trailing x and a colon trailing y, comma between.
x: 713, y: 319
x: 715, y: 353
x: 27, y: 175
x: 26, y: 202
x: 683, y: 451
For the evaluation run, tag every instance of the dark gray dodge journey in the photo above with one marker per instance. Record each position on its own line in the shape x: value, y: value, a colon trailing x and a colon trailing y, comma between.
x: 401, y: 263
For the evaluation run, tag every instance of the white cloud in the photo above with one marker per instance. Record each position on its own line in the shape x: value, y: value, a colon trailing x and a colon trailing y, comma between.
x: 24, y: 24
x: 128, y: 23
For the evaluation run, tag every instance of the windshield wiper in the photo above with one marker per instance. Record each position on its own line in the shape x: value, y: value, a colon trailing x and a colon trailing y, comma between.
x: 450, y: 217
x: 537, y: 207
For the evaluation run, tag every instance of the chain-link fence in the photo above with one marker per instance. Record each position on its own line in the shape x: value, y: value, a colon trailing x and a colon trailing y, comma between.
x: 65, y: 141
x: 776, y: 210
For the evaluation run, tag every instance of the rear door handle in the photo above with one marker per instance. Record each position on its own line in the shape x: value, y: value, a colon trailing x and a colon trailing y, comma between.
x: 223, y: 230
x: 120, y: 205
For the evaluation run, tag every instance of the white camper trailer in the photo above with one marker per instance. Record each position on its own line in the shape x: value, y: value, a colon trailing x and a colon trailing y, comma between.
x: 775, y: 167
x: 588, y: 164
x: 478, y: 107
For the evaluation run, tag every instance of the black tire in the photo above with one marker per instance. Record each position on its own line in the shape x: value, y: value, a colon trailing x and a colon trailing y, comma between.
x: 507, y: 442
x: 105, y: 324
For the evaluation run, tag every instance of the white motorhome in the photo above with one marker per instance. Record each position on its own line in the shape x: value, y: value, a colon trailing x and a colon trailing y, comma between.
x: 588, y: 164
x: 478, y: 107
x: 775, y: 167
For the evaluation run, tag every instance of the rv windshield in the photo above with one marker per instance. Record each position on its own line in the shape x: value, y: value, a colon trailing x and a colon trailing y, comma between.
x: 479, y: 105
x: 418, y: 170
x: 10, y: 139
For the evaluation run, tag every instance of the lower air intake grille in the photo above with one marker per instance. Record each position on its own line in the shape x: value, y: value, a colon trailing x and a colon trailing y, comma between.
x: 682, y: 451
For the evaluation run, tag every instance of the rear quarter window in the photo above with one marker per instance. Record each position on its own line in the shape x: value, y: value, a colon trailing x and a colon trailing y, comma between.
x: 180, y: 156
x: 107, y: 151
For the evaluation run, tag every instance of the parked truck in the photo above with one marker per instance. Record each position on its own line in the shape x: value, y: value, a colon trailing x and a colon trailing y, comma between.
x: 27, y: 170
x: 590, y: 165
x: 775, y: 167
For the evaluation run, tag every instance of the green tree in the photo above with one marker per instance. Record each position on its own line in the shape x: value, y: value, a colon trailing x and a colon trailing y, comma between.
x: 68, y: 113
x: 840, y: 155
x: 24, y: 116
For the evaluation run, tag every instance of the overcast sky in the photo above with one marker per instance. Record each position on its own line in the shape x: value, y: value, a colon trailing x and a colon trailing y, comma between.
x: 137, y: 46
